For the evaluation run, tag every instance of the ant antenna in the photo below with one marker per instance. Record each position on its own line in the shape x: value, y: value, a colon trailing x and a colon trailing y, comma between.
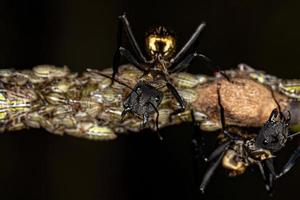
x: 281, y: 115
x: 222, y: 113
x: 114, y: 79
x: 275, y: 100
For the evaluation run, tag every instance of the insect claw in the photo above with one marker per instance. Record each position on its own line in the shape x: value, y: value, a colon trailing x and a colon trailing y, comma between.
x: 159, y: 136
x: 202, y: 190
x: 274, y: 114
x: 112, y: 83
x: 125, y: 111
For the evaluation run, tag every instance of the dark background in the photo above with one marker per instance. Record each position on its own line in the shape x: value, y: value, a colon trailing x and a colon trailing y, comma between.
x: 37, y: 165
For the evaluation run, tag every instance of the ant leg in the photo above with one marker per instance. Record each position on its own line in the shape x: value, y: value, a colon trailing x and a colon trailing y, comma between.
x: 124, y: 112
x: 117, y: 55
x: 272, y: 174
x: 218, y: 151
x: 123, y: 21
x: 291, y: 136
x: 217, y: 155
x: 270, y: 166
x: 185, y: 63
x: 208, y: 174
x: 198, y: 144
x: 269, y: 169
x: 132, y: 40
x: 268, y: 182
x: 193, y: 39
x: 178, y: 99
x: 290, y: 164
x: 262, y: 172
x: 156, y: 121
x: 124, y: 52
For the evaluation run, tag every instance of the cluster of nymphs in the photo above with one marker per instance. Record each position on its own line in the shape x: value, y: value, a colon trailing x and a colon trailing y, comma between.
x: 235, y: 152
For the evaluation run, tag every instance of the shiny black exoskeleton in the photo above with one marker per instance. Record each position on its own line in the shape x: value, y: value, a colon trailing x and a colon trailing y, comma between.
x: 143, y: 101
x: 274, y: 133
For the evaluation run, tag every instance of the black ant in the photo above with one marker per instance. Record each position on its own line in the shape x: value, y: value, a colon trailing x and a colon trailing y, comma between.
x: 160, y: 46
x: 143, y: 100
x: 237, y: 153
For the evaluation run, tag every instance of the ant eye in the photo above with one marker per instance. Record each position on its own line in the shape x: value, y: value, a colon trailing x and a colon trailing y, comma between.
x: 157, y: 99
x: 265, y: 142
x: 138, y: 90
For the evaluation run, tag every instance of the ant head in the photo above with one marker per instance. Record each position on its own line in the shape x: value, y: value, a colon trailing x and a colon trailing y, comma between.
x: 160, y: 43
x: 147, y: 94
x: 144, y: 99
x: 274, y: 133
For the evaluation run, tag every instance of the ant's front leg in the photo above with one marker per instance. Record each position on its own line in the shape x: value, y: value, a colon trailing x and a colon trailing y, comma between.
x: 124, y: 52
x: 178, y: 98
x: 123, y: 22
x: 129, y: 57
x: 290, y: 164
